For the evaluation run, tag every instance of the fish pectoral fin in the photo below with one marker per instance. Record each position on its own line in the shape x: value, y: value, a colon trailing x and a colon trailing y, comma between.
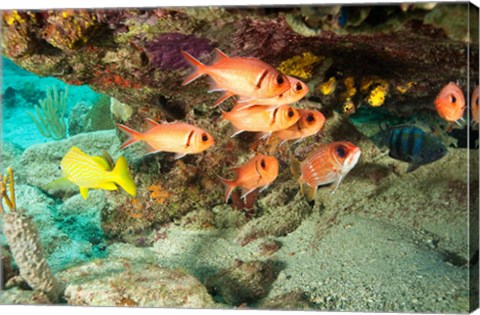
x: 412, y: 167
x: 264, y: 188
x: 299, y: 140
x: 59, y: 184
x: 226, y: 95
x: 248, y: 100
x: 179, y: 156
x: 308, y: 191
x: 84, y: 192
x: 265, y: 135
x: 236, y: 132
x: 337, y: 183
x: 244, y: 195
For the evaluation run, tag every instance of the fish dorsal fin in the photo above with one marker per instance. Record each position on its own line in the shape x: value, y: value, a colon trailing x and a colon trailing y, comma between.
x: 220, y: 55
x: 103, y: 163
x: 151, y: 123
x: 84, y: 192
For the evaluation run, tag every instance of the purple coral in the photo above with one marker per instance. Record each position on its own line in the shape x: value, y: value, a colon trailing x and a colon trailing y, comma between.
x: 164, y: 51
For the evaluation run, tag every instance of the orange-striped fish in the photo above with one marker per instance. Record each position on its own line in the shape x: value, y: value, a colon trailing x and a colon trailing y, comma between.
x: 450, y: 103
x: 249, y: 77
x: 93, y: 172
x: 265, y: 119
x: 474, y: 105
x: 329, y: 163
x: 179, y: 138
x: 310, y: 122
x: 296, y: 92
x: 259, y: 171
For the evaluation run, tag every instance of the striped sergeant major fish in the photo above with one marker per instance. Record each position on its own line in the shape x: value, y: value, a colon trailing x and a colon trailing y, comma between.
x: 412, y: 145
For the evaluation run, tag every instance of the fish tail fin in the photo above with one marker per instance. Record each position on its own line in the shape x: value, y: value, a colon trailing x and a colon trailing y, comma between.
x: 295, y: 167
x: 229, y: 187
x: 122, y: 176
x: 198, y: 66
x: 133, y: 135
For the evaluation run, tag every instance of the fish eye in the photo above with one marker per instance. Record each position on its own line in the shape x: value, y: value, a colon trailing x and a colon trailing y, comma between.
x: 204, y: 137
x: 299, y: 87
x: 280, y: 79
x: 290, y: 113
x: 452, y: 98
x: 60, y: 167
x: 310, y: 118
x: 262, y: 163
x: 341, y: 151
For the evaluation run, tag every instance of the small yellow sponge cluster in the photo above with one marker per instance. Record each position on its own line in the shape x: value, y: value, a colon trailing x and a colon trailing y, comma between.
x: 301, y: 66
x: 328, y: 87
x: 376, y: 96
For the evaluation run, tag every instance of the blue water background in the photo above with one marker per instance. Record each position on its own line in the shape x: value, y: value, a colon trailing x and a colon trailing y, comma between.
x: 17, y: 126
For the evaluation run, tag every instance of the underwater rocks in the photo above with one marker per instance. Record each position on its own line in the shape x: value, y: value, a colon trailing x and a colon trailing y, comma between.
x: 10, y: 156
x: 246, y: 282
x: 70, y: 232
x: 122, y: 282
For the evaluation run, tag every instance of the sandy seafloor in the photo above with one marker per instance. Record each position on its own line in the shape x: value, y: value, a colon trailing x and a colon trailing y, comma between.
x: 390, y: 251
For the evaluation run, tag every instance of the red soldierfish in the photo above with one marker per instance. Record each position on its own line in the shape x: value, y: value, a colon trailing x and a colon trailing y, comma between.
x: 248, y: 77
x: 259, y: 171
x: 262, y: 118
x: 474, y: 105
x: 310, y: 122
x: 450, y: 103
x: 329, y: 163
x: 179, y: 138
x: 295, y: 93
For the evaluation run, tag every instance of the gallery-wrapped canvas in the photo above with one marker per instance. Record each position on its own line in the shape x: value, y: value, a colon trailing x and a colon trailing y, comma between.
x: 313, y: 157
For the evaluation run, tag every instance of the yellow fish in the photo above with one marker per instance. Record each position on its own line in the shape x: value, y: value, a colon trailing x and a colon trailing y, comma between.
x: 94, y: 172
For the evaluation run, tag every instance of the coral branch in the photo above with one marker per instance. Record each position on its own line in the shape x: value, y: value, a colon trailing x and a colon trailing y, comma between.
x: 7, y: 182
x: 50, y: 115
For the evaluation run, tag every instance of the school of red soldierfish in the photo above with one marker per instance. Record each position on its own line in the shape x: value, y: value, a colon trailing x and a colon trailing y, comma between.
x: 262, y: 104
x: 263, y: 97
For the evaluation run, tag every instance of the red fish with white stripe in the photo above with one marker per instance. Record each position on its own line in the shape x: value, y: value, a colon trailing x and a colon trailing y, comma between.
x: 329, y: 163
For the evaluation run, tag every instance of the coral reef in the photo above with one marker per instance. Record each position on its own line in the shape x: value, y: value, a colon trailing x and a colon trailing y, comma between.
x: 50, y: 115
